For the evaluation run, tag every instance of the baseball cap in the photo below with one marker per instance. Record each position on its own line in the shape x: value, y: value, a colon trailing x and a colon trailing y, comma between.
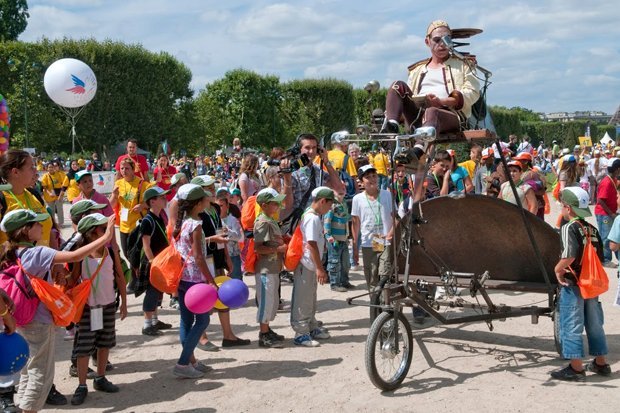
x: 435, y: 24
x: 154, y: 192
x: 615, y: 164
x: 565, y: 151
x: 236, y: 191
x: 523, y: 156
x: 269, y: 195
x: 80, y: 174
x: 578, y: 199
x: 91, y: 221
x: 569, y: 158
x: 176, y: 178
x: 323, y: 192
x: 191, y: 192
x: 203, y: 180
x: 516, y: 163
x: 486, y: 153
x: 364, y: 170
x: 17, y: 218
x: 83, y: 206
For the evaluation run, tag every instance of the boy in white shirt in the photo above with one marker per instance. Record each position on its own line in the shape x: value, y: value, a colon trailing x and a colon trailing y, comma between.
x: 310, y: 270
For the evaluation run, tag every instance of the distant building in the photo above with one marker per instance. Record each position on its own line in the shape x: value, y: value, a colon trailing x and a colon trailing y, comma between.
x: 592, y: 116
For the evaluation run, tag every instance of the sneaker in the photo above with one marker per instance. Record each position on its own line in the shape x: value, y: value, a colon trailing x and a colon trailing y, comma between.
x: 209, y: 346
x: 160, y: 325
x: 6, y: 400
x: 306, y: 341
x: 174, y: 303
x: 69, y: 335
x: 594, y: 367
x: 54, y: 397
x: 91, y: 374
x: 151, y: 331
x: 79, y: 396
x: 320, y: 334
x: 286, y: 276
x: 235, y: 343
x: 104, y: 385
x: 201, y: 367
x: 569, y: 374
x: 390, y: 126
x: 187, y: 372
x: 268, y: 341
x: 349, y: 286
x: 108, y: 366
x: 339, y: 288
x: 275, y: 335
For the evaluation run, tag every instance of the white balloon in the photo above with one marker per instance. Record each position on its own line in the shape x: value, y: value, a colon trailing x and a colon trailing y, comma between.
x: 70, y: 83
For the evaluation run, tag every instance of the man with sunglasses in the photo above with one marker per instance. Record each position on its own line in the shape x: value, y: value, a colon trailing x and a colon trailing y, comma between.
x: 439, y: 92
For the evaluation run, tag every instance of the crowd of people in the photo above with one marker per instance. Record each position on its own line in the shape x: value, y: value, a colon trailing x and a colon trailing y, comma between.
x: 308, y: 213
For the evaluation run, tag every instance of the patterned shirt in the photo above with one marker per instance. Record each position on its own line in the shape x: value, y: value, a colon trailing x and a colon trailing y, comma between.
x: 301, y: 182
x: 191, y: 272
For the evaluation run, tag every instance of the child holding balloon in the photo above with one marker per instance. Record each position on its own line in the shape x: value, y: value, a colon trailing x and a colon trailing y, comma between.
x: 192, y: 200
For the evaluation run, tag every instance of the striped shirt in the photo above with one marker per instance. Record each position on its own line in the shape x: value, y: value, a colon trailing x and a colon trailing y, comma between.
x: 335, y: 222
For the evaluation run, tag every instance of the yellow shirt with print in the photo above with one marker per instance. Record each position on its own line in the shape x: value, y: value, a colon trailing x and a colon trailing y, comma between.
x: 336, y: 157
x: 27, y: 201
x: 381, y: 163
x: 73, y: 190
x: 128, y: 198
x: 51, y: 181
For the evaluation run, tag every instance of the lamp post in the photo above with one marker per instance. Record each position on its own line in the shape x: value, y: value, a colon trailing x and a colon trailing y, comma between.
x: 24, y: 93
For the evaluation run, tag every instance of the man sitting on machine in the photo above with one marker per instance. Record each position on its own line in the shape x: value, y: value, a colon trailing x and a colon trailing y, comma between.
x: 440, y: 91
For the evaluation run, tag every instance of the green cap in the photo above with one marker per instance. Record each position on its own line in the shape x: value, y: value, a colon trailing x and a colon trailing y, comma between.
x: 203, y: 180
x: 176, y: 178
x: 91, y: 221
x: 578, y: 199
x: 323, y: 192
x: 85, y: 205
x: 236, y: 191
x: 80, y: 174
x: 269, y: 195
x: 154, y: 192
x: 19, y: 217
x: 191, y: 192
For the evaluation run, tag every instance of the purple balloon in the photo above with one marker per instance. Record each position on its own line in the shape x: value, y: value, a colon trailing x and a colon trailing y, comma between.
x: 234, y: 293
x: 200, y: 298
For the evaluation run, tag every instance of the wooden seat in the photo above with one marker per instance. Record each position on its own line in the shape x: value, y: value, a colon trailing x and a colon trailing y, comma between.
x: 466, y: 136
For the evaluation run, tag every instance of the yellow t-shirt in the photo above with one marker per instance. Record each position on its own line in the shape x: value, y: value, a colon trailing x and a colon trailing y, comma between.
x: 128, y: 198
x: 49, y: 182
x: 336, y: 157
x: 73, y: 190
x: 27, y: 201
x: 381, y: 163
x: 470, y: 166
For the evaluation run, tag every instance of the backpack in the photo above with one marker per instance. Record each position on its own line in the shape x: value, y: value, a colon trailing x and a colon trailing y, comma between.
x: 592, y: 280
x: 294, y: 251
x: 347, y: 180
x: 134, y: 242
x: 248, y: 213
x: 17, y: 286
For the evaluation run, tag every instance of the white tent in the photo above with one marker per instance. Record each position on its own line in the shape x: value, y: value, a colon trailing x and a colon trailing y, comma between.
x: 606, y: 140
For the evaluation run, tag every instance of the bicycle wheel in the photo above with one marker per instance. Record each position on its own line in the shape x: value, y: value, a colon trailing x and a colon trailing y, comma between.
x: 556, y: 329
x: 388, y: 356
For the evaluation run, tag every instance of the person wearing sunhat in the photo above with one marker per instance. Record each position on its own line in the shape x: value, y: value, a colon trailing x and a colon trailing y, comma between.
x: 577, y: 313
x: 154, y: 240
x: 85, y: 182
x: 310, y: 271
x: 449, y: 85
x: 270, y: 248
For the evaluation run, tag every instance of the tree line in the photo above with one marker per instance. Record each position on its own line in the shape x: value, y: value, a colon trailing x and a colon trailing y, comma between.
x: 147, y: 96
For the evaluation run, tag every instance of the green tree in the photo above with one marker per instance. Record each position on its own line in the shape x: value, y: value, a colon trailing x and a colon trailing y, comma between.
x: 13, y: 18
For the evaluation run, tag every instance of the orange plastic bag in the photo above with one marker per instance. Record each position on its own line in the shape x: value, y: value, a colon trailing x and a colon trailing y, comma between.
x: 167, y: 269
x: 251, y: 257
x: 248, y: 213
x: 593, y: 279
x: 294, y: 250
x: 79, y: 294
x: 59, y: 304
x: 556, y: 190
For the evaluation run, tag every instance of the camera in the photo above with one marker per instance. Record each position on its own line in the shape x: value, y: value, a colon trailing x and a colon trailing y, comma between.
x: 298, y: 160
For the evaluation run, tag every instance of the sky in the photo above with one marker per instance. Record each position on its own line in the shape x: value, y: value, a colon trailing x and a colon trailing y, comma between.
x: 545, y: 55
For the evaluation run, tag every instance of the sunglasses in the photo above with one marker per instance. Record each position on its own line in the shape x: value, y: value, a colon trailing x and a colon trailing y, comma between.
x: 436, y: 39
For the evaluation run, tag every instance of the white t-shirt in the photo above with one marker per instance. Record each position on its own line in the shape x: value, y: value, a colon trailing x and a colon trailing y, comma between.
x: 102, y: 288
x: 434, y: 83
x: 311, y: 230
x: 375, y: 215
x: 602, y: 167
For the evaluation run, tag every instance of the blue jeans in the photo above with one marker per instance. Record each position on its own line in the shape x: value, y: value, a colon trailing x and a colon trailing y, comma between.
x: 192, y: 326
x: 383, y: 181
x: 604, y: 223
x: 236, y: 269
x: 575, y: 314
x: 355, y: 249
x: 338, y: 263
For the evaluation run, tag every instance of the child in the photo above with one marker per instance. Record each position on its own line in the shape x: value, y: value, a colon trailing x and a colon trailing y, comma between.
x: 336, y: 223
x: 96, y: 328
x: 269, y: 246
x: 372, y: 214
x: 23, y: 229
x: 154, y: 240
x: 235, y: 232
x: 192, y: 200
x: 309, y: 270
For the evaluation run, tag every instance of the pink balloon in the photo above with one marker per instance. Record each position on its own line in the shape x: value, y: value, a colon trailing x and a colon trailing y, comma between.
x: 200, y: 298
